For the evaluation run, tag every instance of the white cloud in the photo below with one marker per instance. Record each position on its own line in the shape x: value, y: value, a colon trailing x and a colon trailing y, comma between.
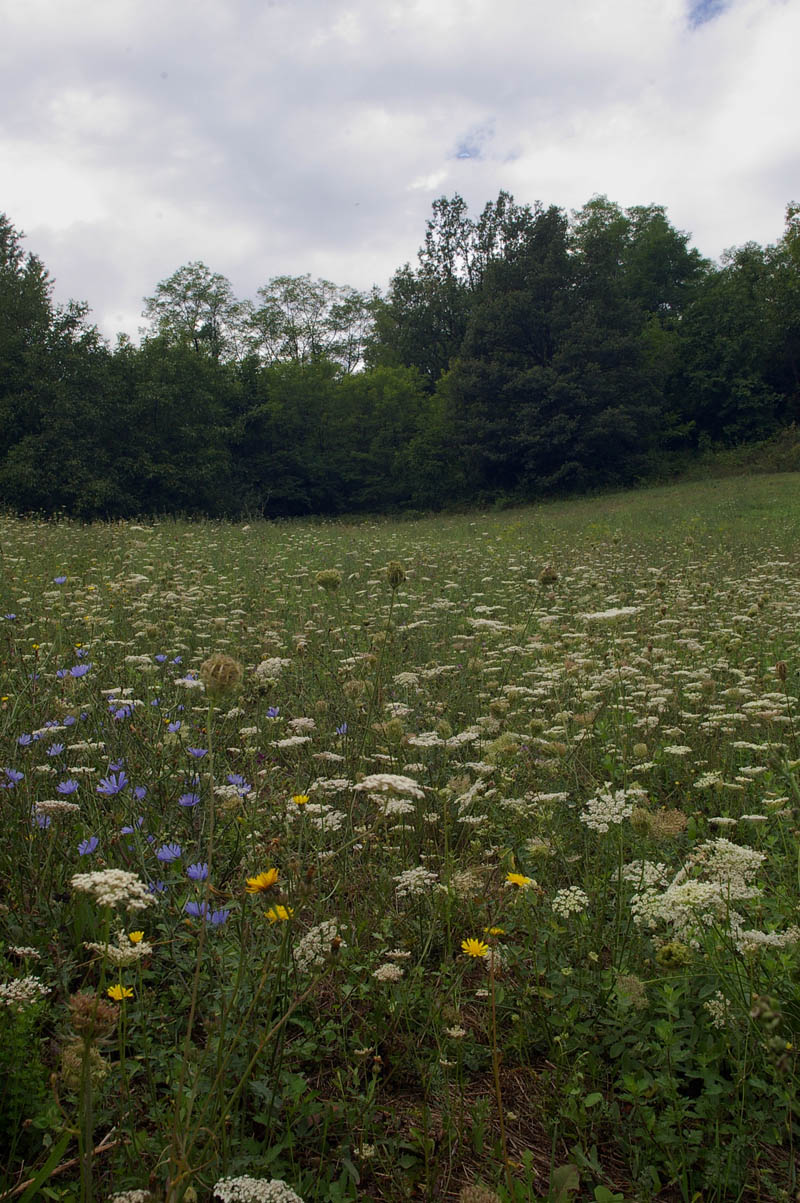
x: 272, y: 136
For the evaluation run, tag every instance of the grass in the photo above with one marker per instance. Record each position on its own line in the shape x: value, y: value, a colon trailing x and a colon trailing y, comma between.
x: 465, y: 851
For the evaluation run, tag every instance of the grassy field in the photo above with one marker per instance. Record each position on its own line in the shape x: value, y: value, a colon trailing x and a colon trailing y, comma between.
x: 449, y: 859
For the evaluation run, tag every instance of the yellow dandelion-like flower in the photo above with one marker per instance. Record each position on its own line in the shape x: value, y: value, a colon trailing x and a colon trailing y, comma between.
x: 520, y: 880
x: 300, y: 799
x: 135, y: 937
x: 262, y: 882
x: 495, y: 931
x: 474, y: 948
x: 119, y: 992
x: 279, y: 914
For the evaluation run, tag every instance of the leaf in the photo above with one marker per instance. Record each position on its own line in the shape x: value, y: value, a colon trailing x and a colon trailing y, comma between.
x: 592, y: 1100
x: 56, y: 1154
x: 563, y: 1182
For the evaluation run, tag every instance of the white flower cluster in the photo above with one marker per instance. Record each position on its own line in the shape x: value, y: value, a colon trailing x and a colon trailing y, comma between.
x: 753, y: 940
x: 255, y: 1190
x: 316, y: 945
x: 612, y: 614
x: 391, y: 783
x: 733, y: 865
x: 720, y: 1010
x: 23, y: 991
x: 571, y: 901
x: 388, y: 973
x: 413, y: 882
x: 608, y: 808
x: 124, y: 952
x: 131, y: 1196
x: 687, y: 906
x: 392, y: 807
x: 55, y: 806
x: 645, y: 873
x: 270, y: 670
x: 114, y: 887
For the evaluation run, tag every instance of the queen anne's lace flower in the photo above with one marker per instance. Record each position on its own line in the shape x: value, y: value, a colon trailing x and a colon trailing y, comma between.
x: 254, y: 1190
x: 114, y: 887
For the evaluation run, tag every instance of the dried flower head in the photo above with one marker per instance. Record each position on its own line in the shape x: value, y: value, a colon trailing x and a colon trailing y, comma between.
x: 72, y: 1058
x: 91, y: 1016
x: 220, y: 674
x: 395, y: 574
x: 329, y: 579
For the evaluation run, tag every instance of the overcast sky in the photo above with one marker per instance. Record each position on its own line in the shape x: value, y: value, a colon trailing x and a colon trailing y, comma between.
x: 270, y: 137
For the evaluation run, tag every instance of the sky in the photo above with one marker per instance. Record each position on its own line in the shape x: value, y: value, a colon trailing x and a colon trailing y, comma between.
x: 271, y: 137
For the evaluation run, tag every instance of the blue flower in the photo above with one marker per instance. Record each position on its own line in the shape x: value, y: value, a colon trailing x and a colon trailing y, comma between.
x: 273, y: 711
x: 112, y: 784
x: 79, y: 670
x: 244, y: 787
x: 220, y: 916
x: 115, y: 766
x: 9, y: 617
x: 188, y: 800
x: 41, y: 821
x: 86, y: 847
x: 70, y: 720
x: 160, y: 658
x: 131, y: 830
x: 173, y: 727
x: 198, y: 753
x: 200, y: 910
x: 197, y: 872
x: 156, y: 887
x: 167, y: 853
x: 67, y: 787
x: 13, y: 777
x: 61, y: 673
x: 59, y: 580
x: 342, y: 730
x: 55, y: 749
x: 140, y: 793
x: 24, y: 740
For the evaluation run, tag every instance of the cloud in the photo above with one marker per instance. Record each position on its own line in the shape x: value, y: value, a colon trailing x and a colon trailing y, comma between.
x: 312, y: 135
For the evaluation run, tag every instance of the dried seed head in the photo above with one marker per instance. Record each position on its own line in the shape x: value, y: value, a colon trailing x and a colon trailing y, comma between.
x: 329, y: 579
x: 91, y: 1016
x: 477, y: 1194
x: 72, y: 1058
x: 395, y: 573
x: 548, y: 575
x: 220, y: 674
x: 781, y: 670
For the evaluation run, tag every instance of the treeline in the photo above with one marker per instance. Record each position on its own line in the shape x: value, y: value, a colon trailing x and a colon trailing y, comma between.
x: 526, y: 353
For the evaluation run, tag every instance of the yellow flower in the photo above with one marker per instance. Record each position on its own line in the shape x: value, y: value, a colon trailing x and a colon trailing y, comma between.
x: 299, y: 799
x: 474, y: 948
x: 519, y: 879
x: 279, y: 914
x: 119, y: 992
x: 262, y: 882
x: 135, y: 937
x: 495, y: 931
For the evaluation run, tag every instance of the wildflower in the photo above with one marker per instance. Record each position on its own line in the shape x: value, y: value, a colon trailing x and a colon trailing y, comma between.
x: 388, y: 973
x: 300, y: 799
x: 22, y: 992
x: 395, y: 574
x: 87, y: 847
x: 519, y: 880
x: 112, y: 887
x: 474, y: 948
x: 188, y: 800
x: 279, y: 914
x: 571, y: 901
x: 329, y: 579
x: 67, y: 787
x: 13, y: 777
x: 391, y: 783
x: 119, y: 992
x: 198, y: 871
x: 262, y: 882
x: 79, y: 670
x: 317, y: 945
x: 413, y: 882
x: 167, y: 853
x: 135, y: 937
x: 254, y: 1190
x: 112, y: 784
x: 608, y: 808
x: 198, y: 753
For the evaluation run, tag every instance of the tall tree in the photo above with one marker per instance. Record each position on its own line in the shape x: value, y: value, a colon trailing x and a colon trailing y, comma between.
x: 300, y: 320
x: 195, y: 307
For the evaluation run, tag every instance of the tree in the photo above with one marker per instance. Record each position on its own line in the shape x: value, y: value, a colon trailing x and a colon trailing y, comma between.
x: 195, y: 307
x: 301, y: 321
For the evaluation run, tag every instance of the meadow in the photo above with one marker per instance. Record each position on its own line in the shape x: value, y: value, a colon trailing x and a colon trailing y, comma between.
x: 446, y: 859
